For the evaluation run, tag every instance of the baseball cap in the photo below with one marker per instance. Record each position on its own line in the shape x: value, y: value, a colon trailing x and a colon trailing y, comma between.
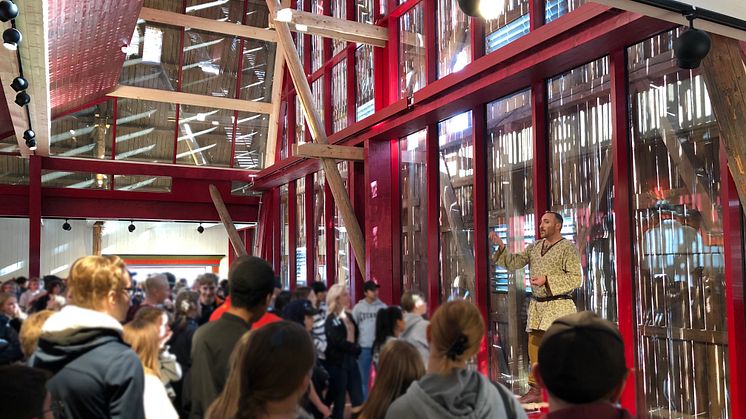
x: 370, y: 286
x: 581, y: 357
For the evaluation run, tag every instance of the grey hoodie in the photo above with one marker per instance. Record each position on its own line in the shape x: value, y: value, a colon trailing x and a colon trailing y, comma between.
x: 415, y: 332
x: 460, y: 394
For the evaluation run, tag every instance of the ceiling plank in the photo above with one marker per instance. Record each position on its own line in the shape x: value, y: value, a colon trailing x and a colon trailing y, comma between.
x: 155, y: 95
x: 320, y: 151
x: 335, y: 28
x: 32, y: 23
x: 178, y: 19
x: 274, y: 116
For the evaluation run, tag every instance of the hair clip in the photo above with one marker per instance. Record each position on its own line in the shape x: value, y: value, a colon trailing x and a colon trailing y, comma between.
x: 458, y: 347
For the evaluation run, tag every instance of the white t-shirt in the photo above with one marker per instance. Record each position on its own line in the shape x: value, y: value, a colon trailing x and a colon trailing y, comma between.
x: 157, y: 403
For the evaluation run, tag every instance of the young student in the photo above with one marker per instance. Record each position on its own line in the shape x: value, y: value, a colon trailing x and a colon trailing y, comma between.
x: 399, y: 366
x: 389, y: 326
x: 450, y: 390
x: 415, y: 326
x: 364, y: 313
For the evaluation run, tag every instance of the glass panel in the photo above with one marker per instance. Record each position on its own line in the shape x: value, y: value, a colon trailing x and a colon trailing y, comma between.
x: 140, y: 183
x: 510, y: 206
x: 86, y: 133
x: 456, y: 207
x: 317, y: 89
x: 284, y: 238
x: 580, y: 167
x: 145, y: 130
x: 364, y: 11
x: 222, y: 10
x: 210, y: 64
x: 258, y: 62
x: 13, y: 170
x: 152, y: 57
x: 682, y: 351
x: 413, y: 186
x: 9, y: 143
x: 284, y: 144
x: 205, y: 136
x: 300, y: 232
x: 556, y: 8
x: 300, y: 122
x: 320, y: 223
x: 512, y: 23
x: 257, y: 14
x: 339, y: 96
x: 243, y: 189
x: 454, y: 41
x: 317, y: 42
x: 412, y: 51
x: 365, y: 103
x: 251, y: 140
x: 74, y: 180
x: 338, y: 11
x: 341, y: 242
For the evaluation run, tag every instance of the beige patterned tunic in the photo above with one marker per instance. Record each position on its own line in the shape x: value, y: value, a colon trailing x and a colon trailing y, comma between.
x: 561, y: 264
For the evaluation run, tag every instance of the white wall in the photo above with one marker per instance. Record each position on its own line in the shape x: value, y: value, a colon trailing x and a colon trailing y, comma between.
x: 60, y: 248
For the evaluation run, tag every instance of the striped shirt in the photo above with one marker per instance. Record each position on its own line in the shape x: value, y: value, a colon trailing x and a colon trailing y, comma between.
x: 318, y: 332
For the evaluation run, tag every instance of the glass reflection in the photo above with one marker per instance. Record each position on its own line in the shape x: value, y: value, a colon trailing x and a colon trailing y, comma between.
x: 14, y: 170
x: 145, y: 131
x: 319, y: 222
x: 300, y: 232
x: 86, y: 133
x: 258, y: 70
x: 413, y: 188
x: 512, y: 23
x: 210, y: 64
x: 556, y: 8
x: 454, y: 40
x: 365, y: 103
x: 152, y: 57
x: 339, y: 96
x: 412, y: 51
x: 139, y: 183
x: 284, y: 238
x: 341, y: 242
x: 205, y: 136
x: 251, y: 140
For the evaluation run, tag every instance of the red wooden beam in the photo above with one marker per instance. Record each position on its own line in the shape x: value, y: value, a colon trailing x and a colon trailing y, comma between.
x: 396, y: 229
x: 481, y: 264
x: 432, y: 200
x: 331, y: 254
x: 356, y: 189
x: 34, y: 216
x: 292, y: 232
x: 539, y: 129
x: 378, y: 231
x: 620, y: 143
x: 310, y: 202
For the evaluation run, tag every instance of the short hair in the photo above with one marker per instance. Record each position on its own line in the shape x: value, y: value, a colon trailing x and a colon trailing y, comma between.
x: 20, y: 280
x: 410, y: 299
x: 52, y: 282
x: 208, y: 278
x: 23, y: 391
x: 581, y: 358
x: 31, y: 331
x: 171, y: 278
x: 154, y: 283
x: 91, y: 278
x: 301, y: 293
x: 557, y: 216
x: 251, y: 280
x: 318, y: 287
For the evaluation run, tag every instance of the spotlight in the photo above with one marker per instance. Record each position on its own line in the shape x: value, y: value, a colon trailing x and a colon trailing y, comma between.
x: 200, y: 229
x: 11, y: 38
x: 19, y: 83
x: 67, y: 226
x: 29, y: 135
x: 8, y: 10
x: 131, y: 227
x: 691, y: 47
x: 31, y: 144
x: 23, y: 99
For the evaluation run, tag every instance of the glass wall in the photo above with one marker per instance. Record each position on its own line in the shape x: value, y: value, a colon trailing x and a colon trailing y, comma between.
x: 319, y: 222
x: 205, y: 136
x: 284, y: 238
x: 339, y: 10
x: 413, y: 188
x: 364, y: 77
x: 454, y: 39
x: 86, y: 133
x: 682, y: 352
x: 341, y: 242
x: 317, y: 42
x: 300, y: 122
x: 300, y: 232
x: 145, y: 131
x: 512, y: 23
x: 147, y: 63
x: 339, y: 96
x: 581, y: 180
x: 412, y: 74
x: 510, y: 214
x: 455, y: 156
x: 556, y: 8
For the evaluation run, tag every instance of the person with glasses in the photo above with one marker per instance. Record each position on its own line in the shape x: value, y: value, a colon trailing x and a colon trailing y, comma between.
x: 554, y: 269
x: 95, y: 373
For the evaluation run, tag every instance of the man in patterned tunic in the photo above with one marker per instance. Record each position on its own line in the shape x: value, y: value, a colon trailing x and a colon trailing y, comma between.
x: 554, y: 269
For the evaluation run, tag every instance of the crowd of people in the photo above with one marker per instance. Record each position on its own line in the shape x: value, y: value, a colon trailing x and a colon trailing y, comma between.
x: 98, y: 344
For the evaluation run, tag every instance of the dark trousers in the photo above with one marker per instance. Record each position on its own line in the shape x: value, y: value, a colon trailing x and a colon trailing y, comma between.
x: 344, y: 378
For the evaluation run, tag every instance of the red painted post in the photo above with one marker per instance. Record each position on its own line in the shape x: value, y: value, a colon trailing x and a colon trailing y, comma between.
x: 378, y: 231
x: 734, y: 287
x: 34, y: 216
x: 395, y: 230
x: 539, y: 129
x: 536, y: 10
x: 276, y: 218
x: 311, y: 261
x: 356, y: 188
x: 432, y: 175
x: 481, y: 265
x: 292, y: 231
x: 431, y: 41
x: 331, y: 254
x: 623, y: 218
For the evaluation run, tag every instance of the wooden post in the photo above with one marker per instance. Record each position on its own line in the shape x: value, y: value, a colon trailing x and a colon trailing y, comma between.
x: 98, y: 229
x: 318, y: 133
x: 238, y: 245
x: 725, y: 77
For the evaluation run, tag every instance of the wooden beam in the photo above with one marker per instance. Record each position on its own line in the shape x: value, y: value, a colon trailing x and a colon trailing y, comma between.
x: 97, y: 230
x: 331, y: 172
x: 155, y: 95
x: 333, y: 27
x: 319, y: 151
x: 216, y: 26
x: 274, y: 117
x: 32, y: 23
x: 238, y: 245
x: 725, y: 76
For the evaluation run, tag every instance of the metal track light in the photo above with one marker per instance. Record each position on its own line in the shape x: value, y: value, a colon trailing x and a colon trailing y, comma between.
x: 67, y: 226
x: 8, y: 10
x: 30, y: 136
x: 19, y: 83
x: 131, y: 227
x: 11, y: 38
x: 200, y: 229
x: 22, y: 99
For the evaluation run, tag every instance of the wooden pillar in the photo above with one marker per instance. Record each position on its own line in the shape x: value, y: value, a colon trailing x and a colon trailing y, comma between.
x: 481, y: 256
x: 225, y: 217
x: 432, y: 175
x: 34, y: 217
x: 98, y: 230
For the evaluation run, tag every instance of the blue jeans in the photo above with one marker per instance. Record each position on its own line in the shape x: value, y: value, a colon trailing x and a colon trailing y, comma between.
x: 343, y: 378
x: 364, y: 362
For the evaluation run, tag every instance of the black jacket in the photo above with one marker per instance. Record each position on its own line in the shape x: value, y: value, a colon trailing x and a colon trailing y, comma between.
x: 338, y: 347
x: 96, y: 375
x: 10, y: 346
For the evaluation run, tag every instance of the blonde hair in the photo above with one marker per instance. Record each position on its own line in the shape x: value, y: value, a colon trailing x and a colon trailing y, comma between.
x: 91, y: 279
x: 456, y: 331
x: 143, y: 337
x: 5, y: 296
x: 31, y: 331
x: 399, y: 366
x: 332, y: 298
